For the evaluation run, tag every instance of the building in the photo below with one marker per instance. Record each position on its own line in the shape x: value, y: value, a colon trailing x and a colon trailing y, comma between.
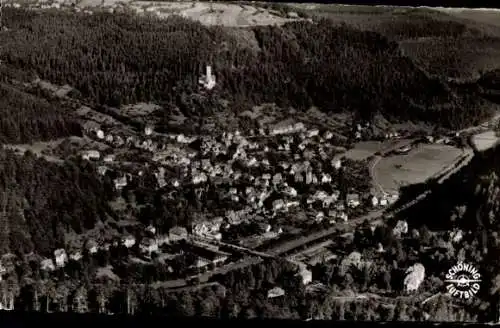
x: 205, y: 256
x: 120, y: 182
x: 2, y: 271
x: 305, y: 274
x: 47, y: 265
x: 275, y: 292
x: 352, y: 200
x: 7, y: 302
x: 92, y: 246
x: 151, y: 229
x: 400, y: 228
x: 208, y: 80
x: 101, y: 170
x: 91, y: 155
x: 60, y: 257
x: 177, y: 234
x: 148, y: 130
x: 128, y: 241
x: 109, y: 158
x: 393, y: 198
x: 148, y: 245
x: 76, y: 256
x: 100, y: 134
x: 415, y: 275
x: 265, y: 227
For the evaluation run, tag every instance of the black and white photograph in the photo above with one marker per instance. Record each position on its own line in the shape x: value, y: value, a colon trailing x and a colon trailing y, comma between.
x: 234, y: 161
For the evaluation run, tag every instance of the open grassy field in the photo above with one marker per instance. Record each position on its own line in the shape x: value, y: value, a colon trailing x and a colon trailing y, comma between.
x: 485, y: 140
x: 225, y: 14
x: 416, y: 167
x: 363, y: 150
x: 483, y: 16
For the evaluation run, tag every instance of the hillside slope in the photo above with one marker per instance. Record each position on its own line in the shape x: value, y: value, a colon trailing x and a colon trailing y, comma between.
x: 444, y: 42
x: 26, y: 117
x: 42, y: 201
x: 299, y: 64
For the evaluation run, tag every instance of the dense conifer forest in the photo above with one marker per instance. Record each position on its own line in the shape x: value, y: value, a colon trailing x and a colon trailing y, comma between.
x: 41, y: 201
x: 27, y: 117
x: 119, y: 59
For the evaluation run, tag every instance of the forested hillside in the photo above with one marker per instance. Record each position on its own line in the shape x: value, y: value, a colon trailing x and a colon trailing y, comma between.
x: 25, y: 117
x: 460, y: 45
x: 41, y: 201
x: 118, y: 59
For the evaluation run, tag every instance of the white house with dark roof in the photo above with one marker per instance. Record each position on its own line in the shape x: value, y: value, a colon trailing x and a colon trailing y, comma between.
x: 47, y: 265
x: 91, y: 155
x: 275, y: 292
x: 60, y: 257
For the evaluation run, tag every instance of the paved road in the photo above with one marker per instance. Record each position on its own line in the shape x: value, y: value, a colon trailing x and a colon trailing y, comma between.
x: 232, y: 246
x: 204, y: 277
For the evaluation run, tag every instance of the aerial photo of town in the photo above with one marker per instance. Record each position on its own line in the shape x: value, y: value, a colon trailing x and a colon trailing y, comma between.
x: 250, y: 160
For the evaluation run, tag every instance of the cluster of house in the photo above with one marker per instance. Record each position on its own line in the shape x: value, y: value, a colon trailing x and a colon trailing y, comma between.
x: 258, y: 188
x: 203, y: 255
x: 258, y: 175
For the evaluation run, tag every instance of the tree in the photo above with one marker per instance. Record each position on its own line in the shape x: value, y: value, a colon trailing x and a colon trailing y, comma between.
x: 231, y: 309
x: 387, y: 280
x: 248, y: 313
x: 48, y: 289
x: 79, y: 300
x: 61, y: 297
x: 400, y: 312
x: 185, y: 306
x: 425, y: 235
x: 208, y: 307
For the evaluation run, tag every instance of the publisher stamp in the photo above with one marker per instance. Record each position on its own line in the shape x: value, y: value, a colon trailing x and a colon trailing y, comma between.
x: 462, y: 280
